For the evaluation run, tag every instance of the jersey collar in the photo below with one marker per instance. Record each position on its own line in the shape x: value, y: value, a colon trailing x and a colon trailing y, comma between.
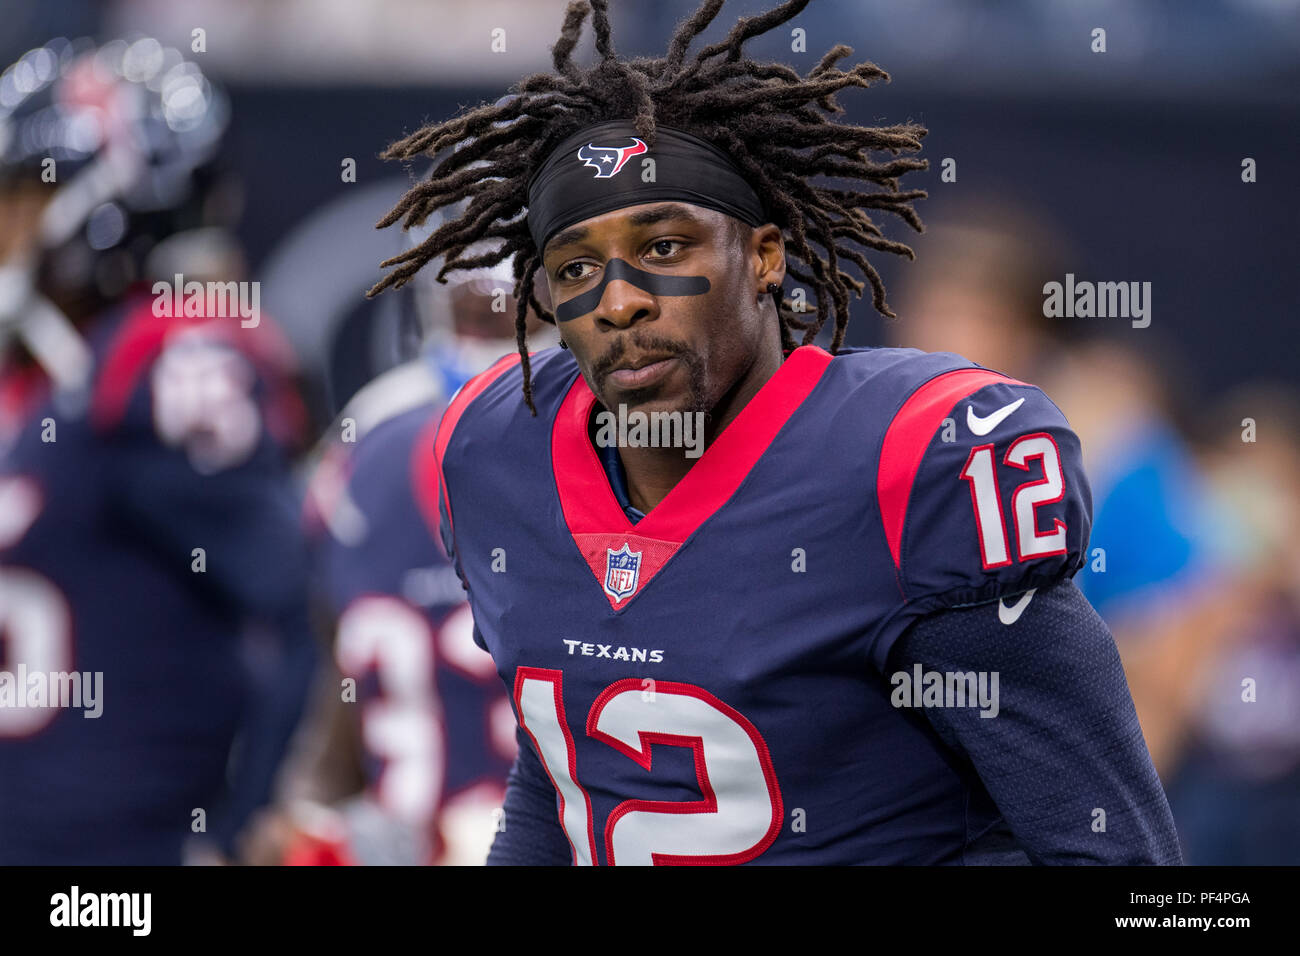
x: 623, y: 556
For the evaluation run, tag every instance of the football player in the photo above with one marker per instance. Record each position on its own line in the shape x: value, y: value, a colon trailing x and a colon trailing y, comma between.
x: 847, y: 631
x: 433, y: 723
x: 152, y: 575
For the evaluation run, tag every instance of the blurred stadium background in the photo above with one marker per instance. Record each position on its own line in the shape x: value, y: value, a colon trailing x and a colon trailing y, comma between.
x: 1117, y: 166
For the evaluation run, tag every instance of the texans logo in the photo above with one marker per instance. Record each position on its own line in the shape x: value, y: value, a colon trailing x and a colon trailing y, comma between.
x: 608, y: 160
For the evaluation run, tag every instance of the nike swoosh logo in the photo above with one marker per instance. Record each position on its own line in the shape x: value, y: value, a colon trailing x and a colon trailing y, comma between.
x: 1009, y: 615
x: 985, y: 424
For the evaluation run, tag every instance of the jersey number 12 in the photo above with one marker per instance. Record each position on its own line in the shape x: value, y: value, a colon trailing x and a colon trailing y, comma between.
x: 741, y: 810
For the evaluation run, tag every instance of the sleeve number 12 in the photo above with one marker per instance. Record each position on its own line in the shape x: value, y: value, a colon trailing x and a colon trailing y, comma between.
x: 980, y: 471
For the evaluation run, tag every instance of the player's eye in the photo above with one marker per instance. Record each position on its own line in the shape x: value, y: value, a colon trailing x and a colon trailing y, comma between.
x: 570, y: 271
x: 666, y: 248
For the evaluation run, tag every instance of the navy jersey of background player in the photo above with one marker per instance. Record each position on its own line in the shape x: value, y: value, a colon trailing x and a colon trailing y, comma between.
x: 437, y: 730
x: 104, y: 506
x: 709, y: 684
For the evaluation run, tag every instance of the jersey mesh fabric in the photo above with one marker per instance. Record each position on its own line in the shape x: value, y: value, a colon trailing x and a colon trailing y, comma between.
x: 1065, y: 742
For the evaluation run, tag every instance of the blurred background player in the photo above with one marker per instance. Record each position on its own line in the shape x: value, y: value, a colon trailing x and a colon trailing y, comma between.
x: 414, y: 762
x: 149, y: 529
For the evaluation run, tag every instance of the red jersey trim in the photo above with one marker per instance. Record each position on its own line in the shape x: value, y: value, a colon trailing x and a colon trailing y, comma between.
x: 451, y: 417
x: 425, y: 469
x: 909, y: 435
x: 136, y: 345
x: 591, y: 511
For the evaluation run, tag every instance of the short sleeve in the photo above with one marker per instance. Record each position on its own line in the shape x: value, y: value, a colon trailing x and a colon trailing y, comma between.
x: 982, y: 495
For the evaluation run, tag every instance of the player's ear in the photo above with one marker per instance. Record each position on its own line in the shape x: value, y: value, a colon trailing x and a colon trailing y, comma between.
x: 767, y: 248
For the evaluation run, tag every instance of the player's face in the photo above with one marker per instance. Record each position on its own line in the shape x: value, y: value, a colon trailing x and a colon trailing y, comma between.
x: 660, y: 303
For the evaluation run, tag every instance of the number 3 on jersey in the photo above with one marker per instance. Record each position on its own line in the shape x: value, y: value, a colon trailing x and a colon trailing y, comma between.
x: 980, y: 470
x: 741, y: 810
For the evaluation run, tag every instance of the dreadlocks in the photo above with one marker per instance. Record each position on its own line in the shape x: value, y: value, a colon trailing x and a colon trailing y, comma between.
x: 764, y: 115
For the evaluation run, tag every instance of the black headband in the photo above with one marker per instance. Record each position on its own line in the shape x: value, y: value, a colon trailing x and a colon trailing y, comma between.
x: 599, y: 169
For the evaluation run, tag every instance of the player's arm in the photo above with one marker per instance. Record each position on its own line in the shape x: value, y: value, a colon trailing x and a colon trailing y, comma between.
x: 279, y: 693
x: 530, y: 833
x: 1061, y: 754
x: 987, y: 512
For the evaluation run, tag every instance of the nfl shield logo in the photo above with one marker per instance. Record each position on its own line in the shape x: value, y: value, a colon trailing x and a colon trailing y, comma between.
x: 622, y: 571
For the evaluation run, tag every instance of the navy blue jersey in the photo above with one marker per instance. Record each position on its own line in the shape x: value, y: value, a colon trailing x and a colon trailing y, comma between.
x: 709, y: 685
x: 436, y: 725
x: 141, y: 531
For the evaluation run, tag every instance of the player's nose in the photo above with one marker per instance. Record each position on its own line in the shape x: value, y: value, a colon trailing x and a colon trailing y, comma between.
x: 623, y: 304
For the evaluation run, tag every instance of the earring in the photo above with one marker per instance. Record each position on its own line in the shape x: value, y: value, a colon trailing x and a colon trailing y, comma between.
x: 772, y: 287
x: 564, y: 345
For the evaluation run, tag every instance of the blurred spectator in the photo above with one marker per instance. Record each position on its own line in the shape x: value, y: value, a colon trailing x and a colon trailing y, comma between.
x: 976, y: 288
x: 1237, y: 787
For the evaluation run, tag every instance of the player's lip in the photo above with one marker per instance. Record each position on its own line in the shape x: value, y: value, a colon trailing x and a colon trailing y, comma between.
x: 642, y: 371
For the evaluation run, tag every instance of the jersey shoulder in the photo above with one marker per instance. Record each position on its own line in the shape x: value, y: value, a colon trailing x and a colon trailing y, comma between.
x: 489, y: 409
x: 495, y: 397
x: 394, y: 465
x: 365, y: 488
x: 373, y: 509
x: 413, y: 385
x: 979, y: 479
